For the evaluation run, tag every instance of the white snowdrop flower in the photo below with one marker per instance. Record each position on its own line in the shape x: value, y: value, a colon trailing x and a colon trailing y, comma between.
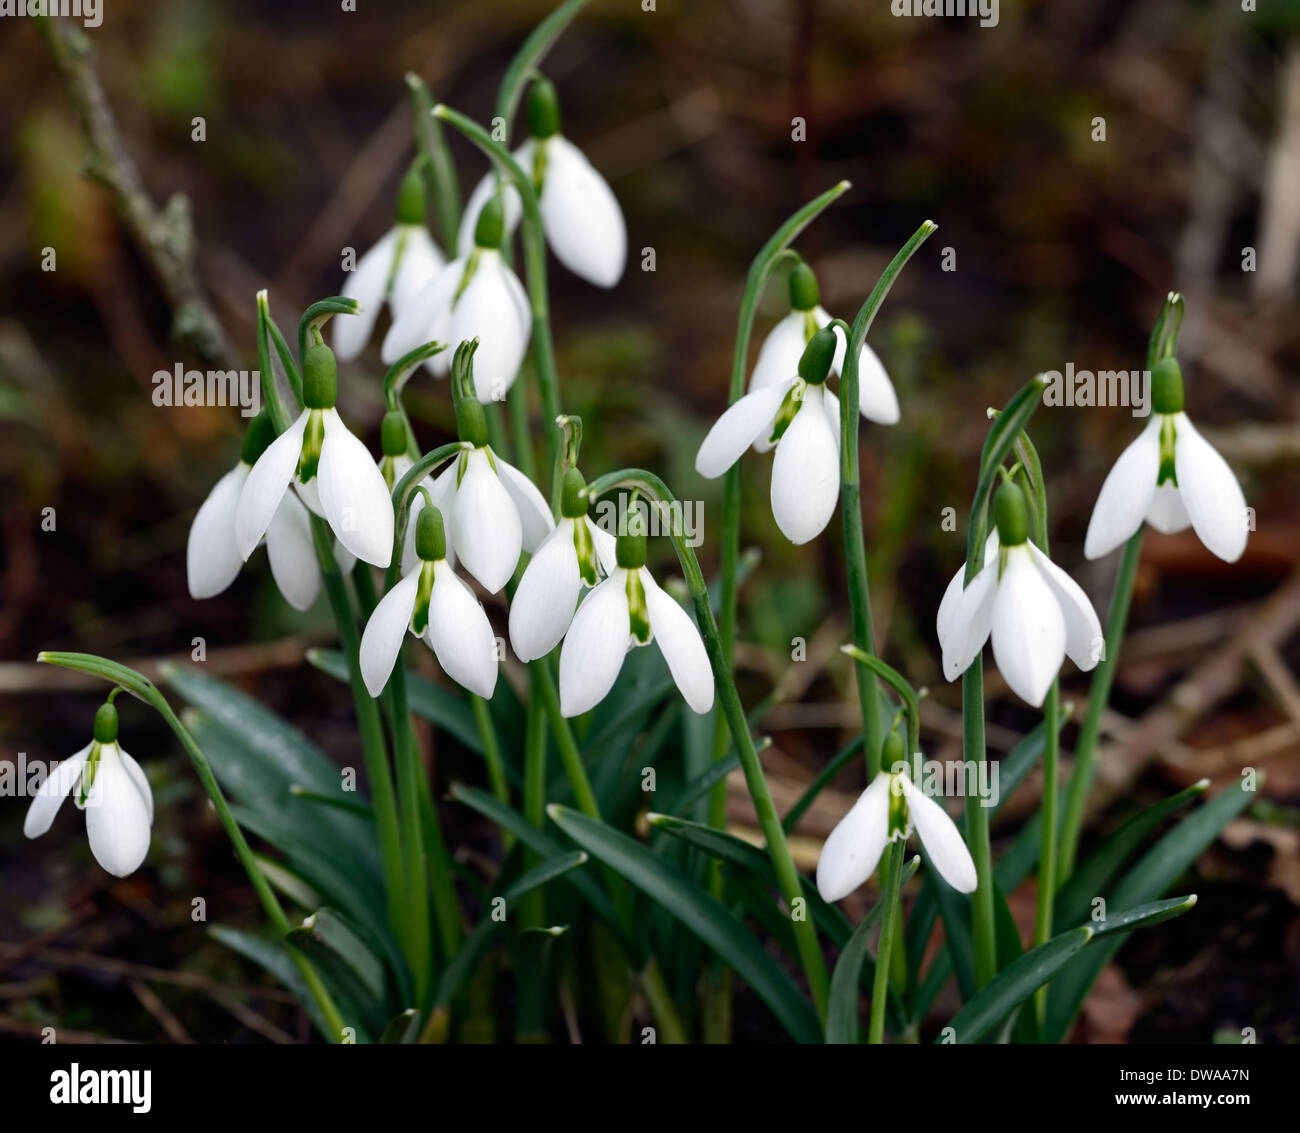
x: 801, y: 417
x: 886, y: 812
x: 779, y: 356
x: 1036, y: 613
x: 110, y: 788
x: 576, y: 554
x: 493, y: 511
x: 1172, y: 477
x: 331, y: 469
x: 475, y: 296
x: 436, y: 606
x: 581, y: 218
x: 212, y: 557
x: 395, y: 270
x: 627, y: 610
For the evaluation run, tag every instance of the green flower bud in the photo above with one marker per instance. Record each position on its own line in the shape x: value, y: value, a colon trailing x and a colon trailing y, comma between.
x: 543, y: 109
x: 410, y: 198
x: 491, y: 224
x: 1011, y: 512
x: 804, y: 294
x: 471, y: 424
x: 892, y: 751
x: 817, y: 357
x: 573, y: 504
x: 630, y: 547
x: 320, y: 384
x: 430, y: 535
x: 257, y: 437
x: 1167, y: 386
x: 106, y: 724
x: 392, y: 434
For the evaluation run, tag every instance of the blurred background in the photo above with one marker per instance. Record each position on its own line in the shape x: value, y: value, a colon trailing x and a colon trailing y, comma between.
x: 1053, y: 247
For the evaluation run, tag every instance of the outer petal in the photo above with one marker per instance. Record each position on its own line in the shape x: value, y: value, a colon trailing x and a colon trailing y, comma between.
x: 141, y: 781
x: 778, y: 357
x: 852, y: 851
x: 1084, y: 641
x: 1028, y: 629
x: 212, y: 559
x: 353, y: 494
x: 1167, y: 513
x: 366, y: 283
x: 460, y: 634
x: 595, y: 646
x: 53, y: 791
x: 955, y: 588
x: 1210, y: 492
x: 1126, y: 494
x: 940, y: 837
x: 747, y: 420
x: 606, y: 546
x: 877, y: 400
x: 417, y: 319
x: 679, y: 641
x: 534, y: 512
x: 583, y: 223
x: 117, y: 816
x: 547, y: 595
x: 964, y: 627
x: 382, y: 640
x: 806, y: 472
x: 265, y: 486
x: 419, y: 266
x: 484, y: 524
x: 483, y: 192
x: 292, y: 554
x: 488, y: 309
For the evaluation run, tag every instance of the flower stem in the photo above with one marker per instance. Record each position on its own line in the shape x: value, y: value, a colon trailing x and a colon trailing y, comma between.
x: 661, y: 1005
x: 491, y: 749
x: 440, y: 171
x: 884, y: 949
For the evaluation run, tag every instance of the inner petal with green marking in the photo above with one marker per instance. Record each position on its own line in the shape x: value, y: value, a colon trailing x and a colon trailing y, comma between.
x: 585, y: 546
x: 789, y: 407
x: 313, y: 437
x: 638, y: 613
x: 1167, y: 471
x: 423, y: 593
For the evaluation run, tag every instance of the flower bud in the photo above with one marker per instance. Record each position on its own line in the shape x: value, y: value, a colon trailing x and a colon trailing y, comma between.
x: 257, y: 437
x: 543, y: 109
x: 573, y: 504
x: 1167, y: 386
x: 490, y: 227
x: 430, y: 535
x: 804, y: 294
x: 319, y: 377
x: 1011, y: 512
x: 471, y: 423
x: 630, y: 546
x: 392, y: 434
x: 106, y: 724
x: 815, y: 363
x: 410, y: 198
x: 893, y: 751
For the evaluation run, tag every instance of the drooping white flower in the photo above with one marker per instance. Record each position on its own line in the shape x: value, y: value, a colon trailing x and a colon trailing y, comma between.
x: 886, y: 812
x: 627, y: 610
x: 212, y: 556
x: 405, y: 259
x: 475, y: 296
x: 1035, y: 612
x: 784, y: 345
x: 434, y: 604
x: 332, y: 470
x: 801, y: 417
x: 113, y: 791
x: 576, y: 554
x: 581, y: 218
x: 1173, y: 478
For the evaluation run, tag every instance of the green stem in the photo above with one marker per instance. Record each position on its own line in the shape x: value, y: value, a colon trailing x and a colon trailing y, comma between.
x: 439, y: 169
x: 977, y: 826
x: 491, y: 749
x: 534, y: 804
x: 888, y: 929
x: 661, y: 1004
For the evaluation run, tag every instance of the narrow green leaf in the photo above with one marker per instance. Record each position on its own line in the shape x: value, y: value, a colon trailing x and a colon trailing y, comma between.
x: 1144, y: 916
x: 404, y: 1028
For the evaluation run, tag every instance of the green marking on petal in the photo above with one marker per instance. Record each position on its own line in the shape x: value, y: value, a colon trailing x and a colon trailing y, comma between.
x: 420, y: 617
x: 900, y: 821
x: 88, y: 771
x: 313, y: 437
x: 462, y: 463
x: 399, y: 249
x: 810, y: 326
x: 471, y: 267
x: 638, y: 613
x: 540, y: 159
x: 1167, y: 471
x: 789, y: 407
x: 585, y: 546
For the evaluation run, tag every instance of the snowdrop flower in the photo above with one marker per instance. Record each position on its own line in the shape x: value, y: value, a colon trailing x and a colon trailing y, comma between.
x: 333, y: 470
x: 1035, y: 612
x: 581, y: 218
x: 110, y: 788
x: 779, y: 355
x: 627, y: 610
x: 885, y: 812
x: 575, y: 554
x: 493, y: 511
x: 436, y: 606
x: 801, y: 417
x: 393, y: 271
x: 212, y: 557
x: 475, y: 296
x: 1171, y: 477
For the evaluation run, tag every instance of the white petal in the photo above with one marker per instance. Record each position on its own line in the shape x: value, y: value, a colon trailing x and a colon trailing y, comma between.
x: 309, y: 494
x: 606, y: 547
x: 940, y: 837
x: 853, y: 850
x: 1167, y: 513
x: 420, y: 264
x: 595, y: 646
x: 964, y: 627
x: 382, y: 640
x: 117, y: 816
x: 547, y: 596
x: 353, y: 494
x: 679, y: 641
x: 366, y: 283
x: 778, y: 357
x: 488, y: 309
x: 1210, y: 492
x: 955, y: 587
x: 417, y: 320
x: 460, y: 634
x: 266, y: 484
x: 1084, y: 641
x: 749, y: 418
x: 1028, y: 629
x: 580, y: 215
x: 482, y: 194
x: 806, y: 472
x: 292, y: 553
x: 534, y: 512
x: 485, y: 524
x: 1126, y: 494
x: 45, y: 805
x: 212, y: 560
x: 141, y: 781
